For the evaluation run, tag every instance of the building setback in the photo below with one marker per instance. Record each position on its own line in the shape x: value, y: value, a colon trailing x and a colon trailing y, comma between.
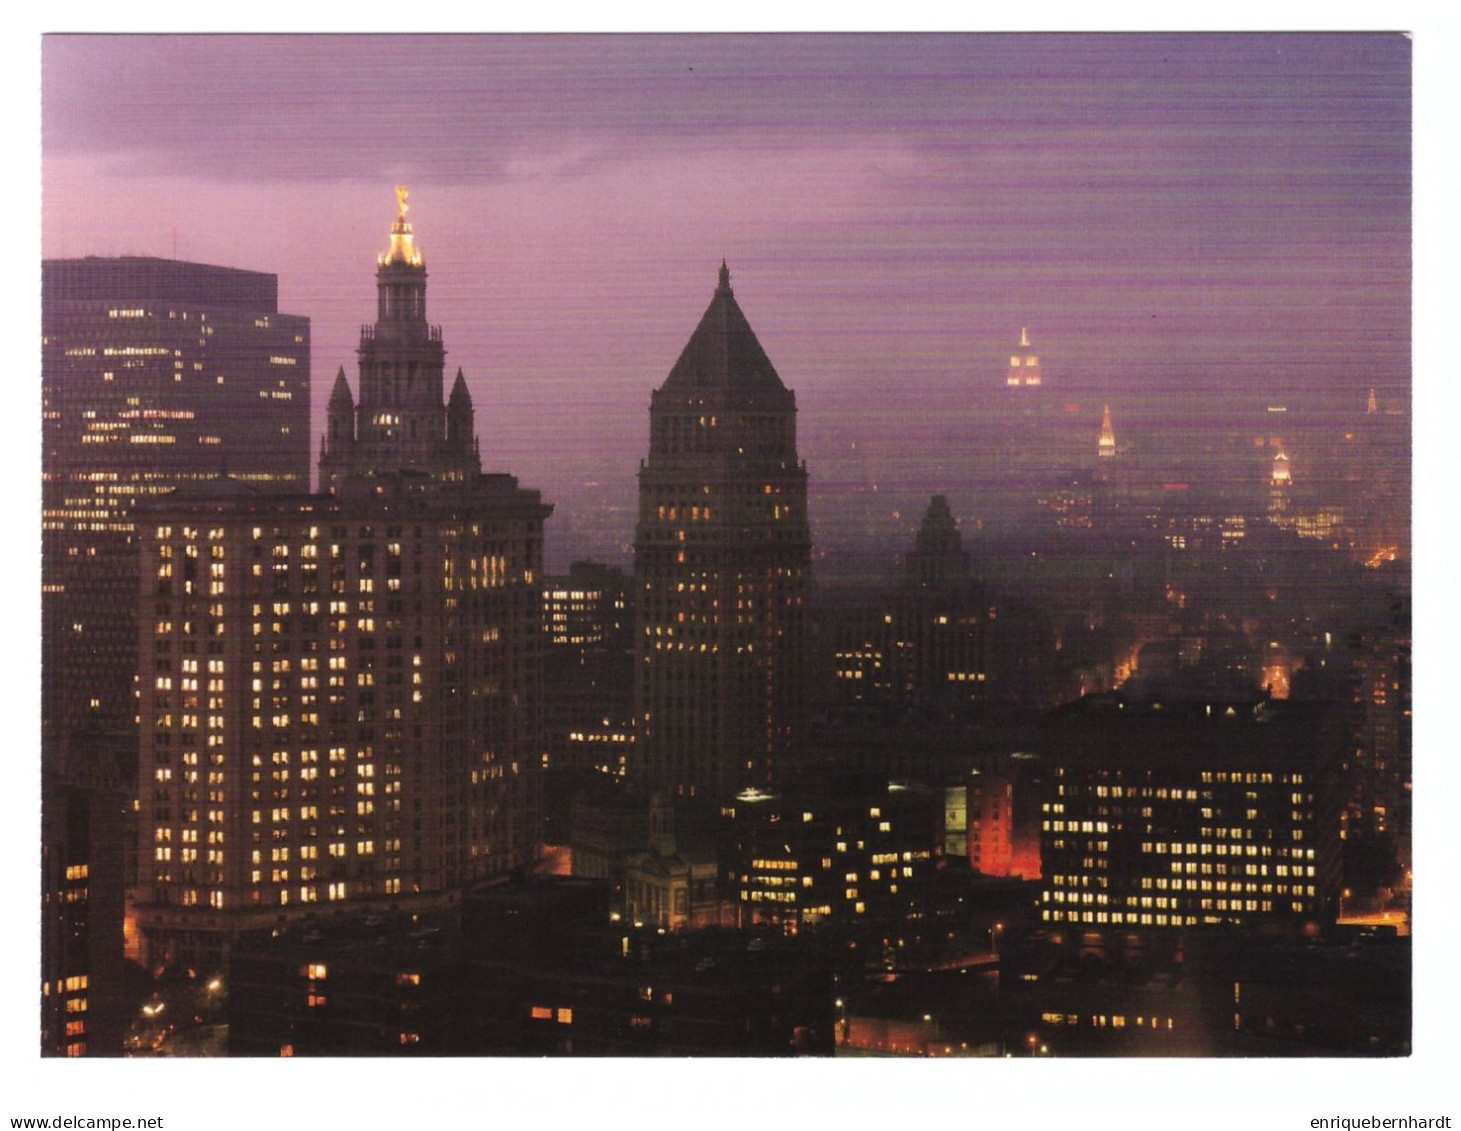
x: 340, y: 693
x: 722, y: 554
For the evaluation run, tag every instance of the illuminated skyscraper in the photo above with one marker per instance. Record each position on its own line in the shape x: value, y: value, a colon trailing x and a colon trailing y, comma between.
x: 154, y: 374
x: 1280, y: 489
x: 721, y: 562
x: 341, y: 692
x: 1106, y: 444
x: 1024, y: 371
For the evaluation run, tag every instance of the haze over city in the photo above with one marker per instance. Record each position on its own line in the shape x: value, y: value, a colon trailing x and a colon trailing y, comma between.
x: 914, y: 509
x: 1174, y: 217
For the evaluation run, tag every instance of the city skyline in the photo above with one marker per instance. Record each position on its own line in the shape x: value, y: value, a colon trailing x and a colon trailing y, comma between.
x: 1168, y: 214
x: 1182, y: 224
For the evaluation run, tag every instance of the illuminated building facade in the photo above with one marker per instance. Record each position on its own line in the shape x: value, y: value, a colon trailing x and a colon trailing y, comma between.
x: 533, y: 969
x: 1189, y: 814
x: 834, y: 848
x: 588, y: 685
x: 154, y: 374
x: 722, y: 555
x: 340, y: 693
x: 588, y: 607
x: 83, y: 838
x: 672, y: 885
x: 991, y: 815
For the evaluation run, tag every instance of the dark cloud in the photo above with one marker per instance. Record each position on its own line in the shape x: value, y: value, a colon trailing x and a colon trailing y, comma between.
x: 463, y: 107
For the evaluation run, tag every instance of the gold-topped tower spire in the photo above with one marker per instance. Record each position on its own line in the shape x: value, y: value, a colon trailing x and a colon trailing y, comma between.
x: 403, y: 246
x: 1106, y: 444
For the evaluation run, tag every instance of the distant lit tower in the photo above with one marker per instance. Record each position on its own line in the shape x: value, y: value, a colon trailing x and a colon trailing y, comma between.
x: 1024, y: 371
x: 1106, y: 445
x: 722, y: 553
x: 1280, y: 483
x: 1372, y: 406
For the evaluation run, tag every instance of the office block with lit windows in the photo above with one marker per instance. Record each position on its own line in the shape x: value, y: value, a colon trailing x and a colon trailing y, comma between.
x: 1189, y: 814
x: 83, y: 835
x: 340, y: 693
x: 833, y: 847
x: 588, y: 684
x: 154, y: 374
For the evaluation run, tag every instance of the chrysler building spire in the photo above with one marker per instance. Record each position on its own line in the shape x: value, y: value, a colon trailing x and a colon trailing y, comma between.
x: 1106, y: 445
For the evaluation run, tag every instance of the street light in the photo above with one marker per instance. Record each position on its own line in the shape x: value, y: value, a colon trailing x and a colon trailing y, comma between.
x: 994, y: 933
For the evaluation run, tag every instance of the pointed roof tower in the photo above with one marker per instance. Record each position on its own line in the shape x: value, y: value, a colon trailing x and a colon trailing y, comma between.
x: 938, y: 557
x: 461, y: 396
x: 1106, y: 445
x: 461, y: 427
x: 340, y: 395
x: 723, y: 351
x: 401, y: 422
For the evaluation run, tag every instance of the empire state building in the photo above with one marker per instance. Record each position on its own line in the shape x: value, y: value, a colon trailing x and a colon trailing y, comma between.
x: 722, y: 554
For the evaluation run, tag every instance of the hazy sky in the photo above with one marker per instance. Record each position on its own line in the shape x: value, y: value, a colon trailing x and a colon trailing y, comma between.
x: 1163, y: 211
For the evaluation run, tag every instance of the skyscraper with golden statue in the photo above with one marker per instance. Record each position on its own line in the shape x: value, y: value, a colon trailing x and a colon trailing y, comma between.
x: 722, y: 554
x: 340, y: 692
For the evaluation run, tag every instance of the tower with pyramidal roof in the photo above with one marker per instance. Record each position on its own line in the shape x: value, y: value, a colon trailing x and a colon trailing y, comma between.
x: 722, y: 553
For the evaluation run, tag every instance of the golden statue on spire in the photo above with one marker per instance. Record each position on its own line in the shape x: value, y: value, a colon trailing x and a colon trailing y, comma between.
x: 403, y: 246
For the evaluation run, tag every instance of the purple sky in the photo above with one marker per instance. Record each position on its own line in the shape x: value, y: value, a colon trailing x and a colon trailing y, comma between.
x: 1169, y: 212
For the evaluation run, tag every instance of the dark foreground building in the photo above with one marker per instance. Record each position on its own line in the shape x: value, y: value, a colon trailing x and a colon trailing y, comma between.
x: 526, y: 969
